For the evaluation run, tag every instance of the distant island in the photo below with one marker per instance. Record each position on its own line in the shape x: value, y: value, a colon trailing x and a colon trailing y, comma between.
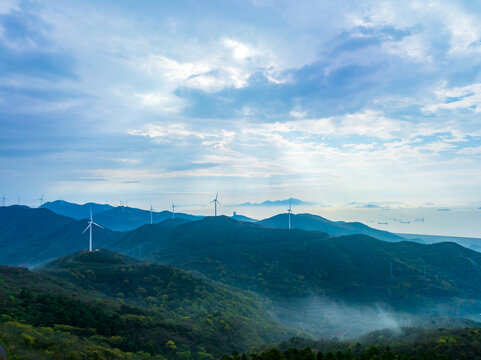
x: 286, y: 202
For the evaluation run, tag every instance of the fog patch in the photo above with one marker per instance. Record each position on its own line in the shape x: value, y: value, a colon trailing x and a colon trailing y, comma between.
x: 325, y: 318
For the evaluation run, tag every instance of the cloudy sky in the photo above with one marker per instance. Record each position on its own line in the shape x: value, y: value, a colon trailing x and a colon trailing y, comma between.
x: 333, y: 102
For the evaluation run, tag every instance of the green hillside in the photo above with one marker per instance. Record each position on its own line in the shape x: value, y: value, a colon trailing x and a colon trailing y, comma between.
x: 107, y: 301
x: 297, y: 263
x: 323, y: 284
x: 398, y: 344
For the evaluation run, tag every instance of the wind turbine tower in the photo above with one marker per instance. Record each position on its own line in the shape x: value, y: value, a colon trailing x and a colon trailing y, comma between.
x: 41, y: 200
x: 173, y: 211
x: 151, y: 209
x: 289, y: 212
x: 89, y: 226
x: 3, y: 200
x: 215, y: 201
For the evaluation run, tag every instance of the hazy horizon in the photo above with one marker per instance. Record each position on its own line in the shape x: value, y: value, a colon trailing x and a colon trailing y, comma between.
x: 427, y: 220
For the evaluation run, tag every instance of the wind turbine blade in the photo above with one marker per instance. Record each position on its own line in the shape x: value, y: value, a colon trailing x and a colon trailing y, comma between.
x: 98, y: 225
x: 86, y: 228
x: 219, y: 203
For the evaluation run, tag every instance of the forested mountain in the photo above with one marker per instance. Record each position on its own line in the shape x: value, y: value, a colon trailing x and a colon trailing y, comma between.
x: 32, y: 236
x: 107, y: 303
x: 404, y: 343
x: 293, y: 263
x: 333, y: 228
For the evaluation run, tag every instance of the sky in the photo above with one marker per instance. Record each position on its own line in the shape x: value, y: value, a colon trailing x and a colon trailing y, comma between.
x: 337, y: 103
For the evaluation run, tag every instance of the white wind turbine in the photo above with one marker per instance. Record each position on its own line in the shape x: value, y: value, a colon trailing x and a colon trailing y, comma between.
x: 3, y: 200
x: 173, y: 210
x: 89, y: 226
x: 289, y: 212
x: 215, y: 201
x: 151, y: 209
x: 41, y: 200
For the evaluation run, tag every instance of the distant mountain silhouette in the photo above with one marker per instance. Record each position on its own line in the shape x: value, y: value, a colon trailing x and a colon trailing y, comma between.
x: 32, y: 236
x: 120, y: 218
x: 471, y: 243
x: 286, y: 202
x: 333, y: 228
x: 75, y: 211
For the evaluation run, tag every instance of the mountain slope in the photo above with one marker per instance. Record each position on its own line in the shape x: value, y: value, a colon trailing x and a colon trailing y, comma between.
x: 333, y: 228
x: 318, y: 283
x: 31, y: 236
x: 239, y: 217
x: 296, y: 263
x: 114, y: 301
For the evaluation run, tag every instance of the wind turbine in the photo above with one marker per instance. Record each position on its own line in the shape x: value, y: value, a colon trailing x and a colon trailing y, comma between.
x: 173, y: 210
x: 89, y: 226
x: 151, y: 209
x: 215, y: 201
x: 3, y: 200
x: 41, y: 200
x: 18, y: 200
x: 289, y: 212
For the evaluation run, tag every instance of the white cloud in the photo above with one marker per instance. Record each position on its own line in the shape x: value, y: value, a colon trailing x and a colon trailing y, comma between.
x: 475, y: 150
x: 366, y: 123
x: 414, y: 47
x: 8, y: 6
x: 165, y: 101
x: 228, y: 63
x: 456, y: 98
x: 239, y: 50
x: 171, y: 131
